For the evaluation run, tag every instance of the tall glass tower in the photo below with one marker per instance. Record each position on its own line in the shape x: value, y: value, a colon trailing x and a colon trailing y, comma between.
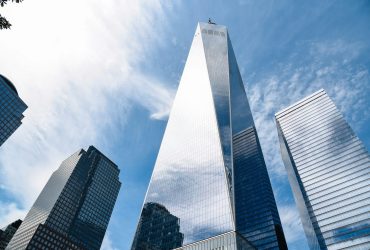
x: 210, y: 179
x: 329, y: 172
x: 74, y: 208
x: 11, y: 109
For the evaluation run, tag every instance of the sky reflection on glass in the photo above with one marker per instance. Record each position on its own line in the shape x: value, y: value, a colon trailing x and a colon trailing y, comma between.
x: 189, y: 176
x: 328, y: 168
x: 197, y: 177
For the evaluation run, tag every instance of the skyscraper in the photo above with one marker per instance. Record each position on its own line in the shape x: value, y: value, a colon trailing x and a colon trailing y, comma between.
x: 210, y: 172
x: 329, y: 172
x: 74, y: 208
x: 11, y: 109
x: 7, y: 233
x: 156, y: 219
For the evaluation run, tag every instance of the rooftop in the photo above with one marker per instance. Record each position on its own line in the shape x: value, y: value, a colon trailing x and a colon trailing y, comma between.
x: 298, y: 104
x: 9, y: 83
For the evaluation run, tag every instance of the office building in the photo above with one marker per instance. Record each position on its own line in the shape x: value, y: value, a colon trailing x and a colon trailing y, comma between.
x: 210, y: 178
x: 329, y: 172
x: 7, y: 233
x: 74, y: 208
x: 156, y: 219
x: 11, y: 109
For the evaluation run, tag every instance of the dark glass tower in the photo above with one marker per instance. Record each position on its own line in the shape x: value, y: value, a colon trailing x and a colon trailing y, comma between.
x: 329, y: 172
x: 210, y: 173
x: 74, y: 208
x: 157, y: 220
x: 11, y: 109
x: 7, y: 233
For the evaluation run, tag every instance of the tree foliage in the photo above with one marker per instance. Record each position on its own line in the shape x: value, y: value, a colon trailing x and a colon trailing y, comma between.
x: 4, y: 23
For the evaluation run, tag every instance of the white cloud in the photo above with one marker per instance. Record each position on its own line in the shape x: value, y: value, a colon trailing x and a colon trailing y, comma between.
x: 291, y: 221
x: 107, y: 242
x: 75, y: 65
x: 346, y: 85
x: 10, y: 212
x: 153, y: 95
x: 345, y: 82
x: 337, y: 48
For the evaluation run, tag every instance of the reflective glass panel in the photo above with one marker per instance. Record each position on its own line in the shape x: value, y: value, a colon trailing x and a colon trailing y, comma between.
x: 209, y: 173
x: 329, y: 172
x: 11, y: 109
x: 189, y: 181
x: 216, y: 52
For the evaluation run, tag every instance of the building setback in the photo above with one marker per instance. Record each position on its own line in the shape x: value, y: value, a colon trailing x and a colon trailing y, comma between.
x: 74, y: 208
x: 11, y: 109
x: 329, y: 172
x: 7, y: 233
x: 210, y: 180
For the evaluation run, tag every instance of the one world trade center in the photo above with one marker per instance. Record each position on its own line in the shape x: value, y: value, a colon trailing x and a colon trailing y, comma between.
x: 210, y: 187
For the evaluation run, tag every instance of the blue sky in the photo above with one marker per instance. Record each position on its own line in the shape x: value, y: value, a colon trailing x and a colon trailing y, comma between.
x: 105, y: 73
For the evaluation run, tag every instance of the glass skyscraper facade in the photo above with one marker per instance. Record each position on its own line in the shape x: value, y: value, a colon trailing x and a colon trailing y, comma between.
x: 329, y: 172
x: 7, y: 233
x: 160, y: 225
x: 210, y: 180
x: 74, y: 208
x: 11, y: 109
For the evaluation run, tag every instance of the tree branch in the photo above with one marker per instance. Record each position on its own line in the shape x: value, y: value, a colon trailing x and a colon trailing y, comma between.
x: 4, y: 24
x: 3, y: 2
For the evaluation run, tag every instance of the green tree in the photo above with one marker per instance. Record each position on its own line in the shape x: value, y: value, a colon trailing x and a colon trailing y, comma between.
x: 4, y: 24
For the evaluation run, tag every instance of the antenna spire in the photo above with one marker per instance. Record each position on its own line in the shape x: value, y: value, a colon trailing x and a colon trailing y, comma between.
x: 210, y: 21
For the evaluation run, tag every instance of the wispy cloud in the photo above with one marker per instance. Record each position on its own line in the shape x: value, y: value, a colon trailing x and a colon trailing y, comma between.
x: 291, y: 82
x: 329, y: 65
x: 293, y: 229
x: 77, y: 68
x: 152, y: 95
x: 9, y: 212
x: 108, y: 243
